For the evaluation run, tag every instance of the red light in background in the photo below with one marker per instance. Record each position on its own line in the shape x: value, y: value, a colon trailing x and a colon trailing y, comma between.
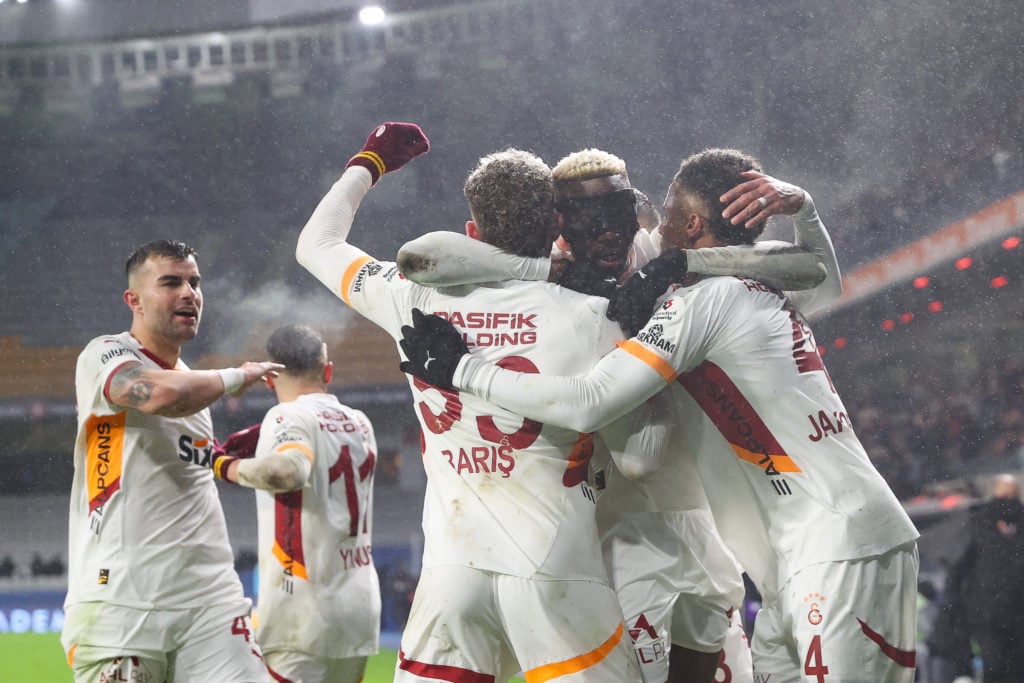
x: 1011, y: 243
x: 935, y: 306
x: 906, y: 317
x: 1000, y: 281
x: 964, y: 263
x: 821, y: 350
x: 921, y: 282
x: 888, y: 325
x: 840, y: 343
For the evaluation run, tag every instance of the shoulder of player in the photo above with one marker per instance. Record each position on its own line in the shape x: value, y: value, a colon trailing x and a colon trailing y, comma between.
x: 110, y: 348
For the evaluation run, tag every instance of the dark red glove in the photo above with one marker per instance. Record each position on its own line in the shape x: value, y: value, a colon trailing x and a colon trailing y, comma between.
x: 390, y: 146
x: 241, y: 444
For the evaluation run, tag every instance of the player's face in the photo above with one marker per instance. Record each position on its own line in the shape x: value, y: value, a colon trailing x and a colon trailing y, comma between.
x: 169, y: 300
x: 681, y: 209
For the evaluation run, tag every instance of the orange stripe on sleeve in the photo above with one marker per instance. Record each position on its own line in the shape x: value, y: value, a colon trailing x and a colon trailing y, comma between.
x: 297, y: 446
x: 576, y: 664
x: 657, y: 363
x: 71, y: 656
x: 350, y: 275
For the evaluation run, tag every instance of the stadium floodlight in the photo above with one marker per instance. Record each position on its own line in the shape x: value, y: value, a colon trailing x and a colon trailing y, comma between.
x: 372, y: 15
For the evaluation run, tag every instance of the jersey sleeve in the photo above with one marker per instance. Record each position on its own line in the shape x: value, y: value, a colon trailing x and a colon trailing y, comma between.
x: 443, y: 259
x: 812, y: 235
x: 97, y: 364
x: 373, y: 288
x: 618, y: 383
x: 285, y: 452
x: 638, y: 440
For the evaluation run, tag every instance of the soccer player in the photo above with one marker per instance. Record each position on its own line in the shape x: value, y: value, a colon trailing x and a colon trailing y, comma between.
x: 791, y: 489
x: 319, y: 597
x: 675, y: 581
x: 152, y: 591
x: 512, y: 573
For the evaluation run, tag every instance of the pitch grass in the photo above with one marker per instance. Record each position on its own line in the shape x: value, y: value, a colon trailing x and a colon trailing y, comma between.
x: 39, y: 658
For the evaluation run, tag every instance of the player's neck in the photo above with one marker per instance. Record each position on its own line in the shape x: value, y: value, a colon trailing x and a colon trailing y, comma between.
x: 288, y: 391
x: 167, y: 352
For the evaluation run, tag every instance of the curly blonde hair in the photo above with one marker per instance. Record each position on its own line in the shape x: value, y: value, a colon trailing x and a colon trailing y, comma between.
x: 588, y: 163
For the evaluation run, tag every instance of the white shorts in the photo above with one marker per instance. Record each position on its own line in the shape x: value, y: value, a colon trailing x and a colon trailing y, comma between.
x: 735, y: 664
x: 475, y: 626
x: 289, y: 666
x: 676, y: 583
x: 853, y: 621
x: 213, y: 643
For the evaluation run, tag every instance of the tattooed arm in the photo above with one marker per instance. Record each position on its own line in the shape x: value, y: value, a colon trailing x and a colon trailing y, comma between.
x: 175, y: 393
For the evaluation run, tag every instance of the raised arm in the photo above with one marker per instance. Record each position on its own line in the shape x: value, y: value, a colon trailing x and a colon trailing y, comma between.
x: 323, y: 247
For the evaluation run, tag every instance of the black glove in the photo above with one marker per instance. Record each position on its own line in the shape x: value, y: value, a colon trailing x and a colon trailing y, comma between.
x: 632, y: 304
x: 433, y: 347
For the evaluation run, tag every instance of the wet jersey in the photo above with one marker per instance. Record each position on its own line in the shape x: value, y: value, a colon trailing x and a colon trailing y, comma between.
x: 786, y: 477
x: 503, y: 494
x: 319, y: 591
x: 146, y: 526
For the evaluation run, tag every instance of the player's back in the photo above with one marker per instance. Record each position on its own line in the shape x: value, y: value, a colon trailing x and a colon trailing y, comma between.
x: 317, y: 574
x: 763, y: 416
x: 509, y: 494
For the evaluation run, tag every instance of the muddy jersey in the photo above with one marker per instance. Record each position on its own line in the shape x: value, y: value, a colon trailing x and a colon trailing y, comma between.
x: 146, y: 526
x: 503, y: 494
x: 319, y: 591
x: 787, y: 479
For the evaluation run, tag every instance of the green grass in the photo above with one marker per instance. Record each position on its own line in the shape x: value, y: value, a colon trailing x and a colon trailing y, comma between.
x: 39, y: 658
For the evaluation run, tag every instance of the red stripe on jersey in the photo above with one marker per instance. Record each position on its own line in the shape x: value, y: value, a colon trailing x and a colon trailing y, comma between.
x: 288, y: 533
x: 441, y: 672
x: 156, y: 359
x: 907, y: 658
x: 730, y: 411
x: 278, y: 677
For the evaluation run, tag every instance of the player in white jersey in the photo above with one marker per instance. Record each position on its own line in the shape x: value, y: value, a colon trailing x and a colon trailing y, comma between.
x: 152, y: 591
x: 791, y: 489
x: 512, y: 573
x: 676, y: 582
x: 319, y: 596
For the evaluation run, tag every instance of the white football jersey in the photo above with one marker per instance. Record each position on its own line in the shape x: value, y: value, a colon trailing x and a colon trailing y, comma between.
x: 319, y: 591
x: 503, y: 494
x: 146, y: 526
x: 787, y: 479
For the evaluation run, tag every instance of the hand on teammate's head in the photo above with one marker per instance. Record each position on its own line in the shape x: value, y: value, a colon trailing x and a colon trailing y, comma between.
x: 389, y: 147
x: 760, y: 197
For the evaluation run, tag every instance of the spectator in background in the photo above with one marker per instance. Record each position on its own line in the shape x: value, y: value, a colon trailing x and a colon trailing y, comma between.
x: 152, y: 591
x: 986, y: 584
x: 319, y: 596
x: 7, y: 567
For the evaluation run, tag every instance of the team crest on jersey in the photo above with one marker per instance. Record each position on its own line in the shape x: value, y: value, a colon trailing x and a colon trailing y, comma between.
x: 815, y: 603
x: 652, y: 336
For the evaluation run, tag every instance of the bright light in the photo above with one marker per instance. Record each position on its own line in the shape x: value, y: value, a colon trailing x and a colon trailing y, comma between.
x: 921, y: 282
x: 935, y: 306
x: 372, y: 15
x: 905, y: 318
x: 1000, y: 281
x: 888, y: 325
x: 964, y: 263
x: 1011, y: 243
x: 821, y: 350
x: 840, y: 343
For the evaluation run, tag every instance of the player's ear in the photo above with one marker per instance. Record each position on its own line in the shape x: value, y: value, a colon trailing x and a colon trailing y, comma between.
x: 328, y: 372
x: 131, y: 298
x: 472, y: 230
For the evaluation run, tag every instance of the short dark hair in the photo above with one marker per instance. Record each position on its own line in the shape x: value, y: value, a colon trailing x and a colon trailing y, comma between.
x: 172, y: 249
x: 509, y: 194
x: 709, y: 175
x: 299, y: 348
